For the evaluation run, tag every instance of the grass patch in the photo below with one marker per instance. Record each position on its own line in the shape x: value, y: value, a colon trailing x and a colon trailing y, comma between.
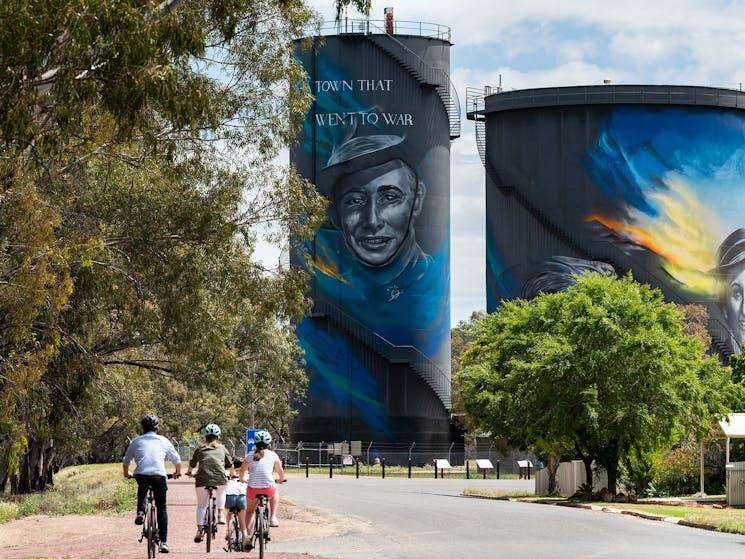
x: 85, y: 489
x: 498, y: 494
x: 724, y: 520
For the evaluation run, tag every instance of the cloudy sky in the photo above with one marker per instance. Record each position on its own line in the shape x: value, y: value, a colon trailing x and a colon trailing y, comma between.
x: 542, y: 43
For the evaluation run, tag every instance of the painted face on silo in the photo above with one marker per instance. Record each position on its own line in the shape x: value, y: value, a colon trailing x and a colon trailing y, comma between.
x: 733, y: 302
x: 731, y: 272
x: 376, y: 209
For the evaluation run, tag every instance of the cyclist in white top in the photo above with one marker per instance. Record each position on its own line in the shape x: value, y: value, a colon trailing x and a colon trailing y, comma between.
x: 261, y: 464
x: 235, y: 497
x: 149, y: 451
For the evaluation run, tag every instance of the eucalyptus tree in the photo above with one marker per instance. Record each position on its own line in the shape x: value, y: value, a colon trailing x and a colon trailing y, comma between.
x: 137, y: 148
x: 597, y: 372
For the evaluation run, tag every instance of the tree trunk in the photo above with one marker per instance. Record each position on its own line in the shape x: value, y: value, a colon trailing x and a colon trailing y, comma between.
x: 552, y: 466
x: 587, y: 460
x: 35, y: 468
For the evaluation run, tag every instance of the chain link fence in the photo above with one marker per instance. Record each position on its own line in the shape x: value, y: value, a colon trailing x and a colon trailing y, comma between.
x: 369, y: 453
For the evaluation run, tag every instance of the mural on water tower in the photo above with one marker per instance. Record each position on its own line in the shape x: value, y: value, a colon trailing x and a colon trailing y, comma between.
x: 658, y: 190
x: 376, y: 144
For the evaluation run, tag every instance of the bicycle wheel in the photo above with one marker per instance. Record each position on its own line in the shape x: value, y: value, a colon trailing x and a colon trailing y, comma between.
x: 151, y: 530
x: 208, y: 523
x: 261, y: 533
x: 236, y: 540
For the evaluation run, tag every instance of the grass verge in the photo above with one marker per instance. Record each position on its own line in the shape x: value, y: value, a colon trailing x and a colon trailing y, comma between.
x: 85, y: 489
x: 722, y: 520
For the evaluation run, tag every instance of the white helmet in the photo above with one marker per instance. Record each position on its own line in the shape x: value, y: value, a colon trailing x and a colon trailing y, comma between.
x: 263, y: 437
x: 212, y: 429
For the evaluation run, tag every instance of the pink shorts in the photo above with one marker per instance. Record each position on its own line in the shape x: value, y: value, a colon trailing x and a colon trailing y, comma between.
x: 268, y: 491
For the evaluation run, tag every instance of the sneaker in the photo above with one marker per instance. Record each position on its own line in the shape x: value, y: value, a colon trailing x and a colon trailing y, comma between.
x: 140, y: 520
x: 274, y: 522
x: 199, y: 536
x: 163, y: 547
x: 220, y: 519
x: 247, y: 546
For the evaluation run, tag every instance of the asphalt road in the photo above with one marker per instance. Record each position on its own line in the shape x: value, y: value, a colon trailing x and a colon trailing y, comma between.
x: 422, y: 519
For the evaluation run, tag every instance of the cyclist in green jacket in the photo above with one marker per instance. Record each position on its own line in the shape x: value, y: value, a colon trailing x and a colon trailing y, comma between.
x: 211, y: 459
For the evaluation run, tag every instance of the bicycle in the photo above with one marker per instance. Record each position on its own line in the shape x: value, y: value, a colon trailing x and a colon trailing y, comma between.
x: 150, y: 526
x: 235, y: 537
x: 261, y: 524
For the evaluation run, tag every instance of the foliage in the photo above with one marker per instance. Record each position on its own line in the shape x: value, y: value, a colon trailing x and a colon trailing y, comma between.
x: 77, y: 490
x: 679, y: 471
x: 584, y: 491
x: 362, y: 6
x: 594, y: 371
x: 640, y: 472
x: 461, y: 337
x: 137, y: 141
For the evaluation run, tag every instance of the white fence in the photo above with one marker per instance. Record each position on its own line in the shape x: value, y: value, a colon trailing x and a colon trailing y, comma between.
x: 569, y: 477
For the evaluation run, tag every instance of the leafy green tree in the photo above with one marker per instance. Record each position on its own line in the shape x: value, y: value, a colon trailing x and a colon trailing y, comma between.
x: 461, y: 337
x: 599, y: 370
x: 137, y: 141
x: 362, y: 6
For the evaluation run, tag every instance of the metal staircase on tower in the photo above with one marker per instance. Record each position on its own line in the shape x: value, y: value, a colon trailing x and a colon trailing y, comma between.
x: 432, y: 374
x: 421, y: 71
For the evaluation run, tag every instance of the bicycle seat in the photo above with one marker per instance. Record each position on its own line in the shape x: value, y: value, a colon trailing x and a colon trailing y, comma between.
x: 211, y: 487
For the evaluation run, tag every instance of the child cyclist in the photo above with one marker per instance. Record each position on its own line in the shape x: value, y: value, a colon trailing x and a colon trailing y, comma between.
x: 261, y: 464
x: 235, y: 497
x: 212, y: 458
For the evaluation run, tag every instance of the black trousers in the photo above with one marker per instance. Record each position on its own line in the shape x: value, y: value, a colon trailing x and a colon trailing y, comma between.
x: 159, y: 492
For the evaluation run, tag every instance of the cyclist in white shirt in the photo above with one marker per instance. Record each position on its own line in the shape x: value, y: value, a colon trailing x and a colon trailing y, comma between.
x: 235, y: 496
x: 261, y: 464
x: 149, y: 452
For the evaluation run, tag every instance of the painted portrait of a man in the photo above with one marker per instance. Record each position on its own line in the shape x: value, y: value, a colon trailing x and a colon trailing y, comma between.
x: 730, y: 272
x: 375, y: 199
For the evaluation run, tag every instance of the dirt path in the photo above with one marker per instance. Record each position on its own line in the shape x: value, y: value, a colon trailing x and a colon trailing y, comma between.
x: 116, y: 536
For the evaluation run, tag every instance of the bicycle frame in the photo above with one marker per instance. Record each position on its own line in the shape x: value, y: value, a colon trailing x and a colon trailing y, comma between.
x: 150, y: 526
x: 235, y: 536
x: 210, y: 517
x: 261, y: 524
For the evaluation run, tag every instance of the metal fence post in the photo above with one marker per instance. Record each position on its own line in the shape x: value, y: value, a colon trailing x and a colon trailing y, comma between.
x: 382, y: 463
x: 307, y: 465
x: 331, y: 466
x: 357, y: 468
x: 409, y: 468
x: 468, y: 469
x: 435, y: 469
x: 497, y: 469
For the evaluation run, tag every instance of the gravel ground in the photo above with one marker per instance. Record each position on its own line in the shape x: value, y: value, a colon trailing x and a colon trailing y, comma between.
x: 116, y: 537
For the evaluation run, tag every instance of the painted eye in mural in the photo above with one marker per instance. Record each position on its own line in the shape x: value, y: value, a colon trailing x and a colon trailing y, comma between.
x: 354, y: 200
x: 390, y: 195
x: 735, y: 292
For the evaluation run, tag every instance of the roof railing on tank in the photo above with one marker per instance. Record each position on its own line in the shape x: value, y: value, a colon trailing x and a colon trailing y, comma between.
x: 347, y: 26
x: 413, y: 62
